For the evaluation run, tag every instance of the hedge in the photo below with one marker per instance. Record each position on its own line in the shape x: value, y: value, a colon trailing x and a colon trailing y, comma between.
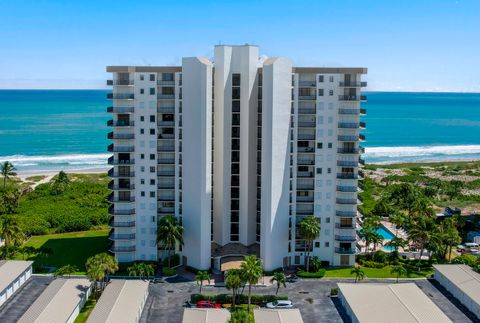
x: 257, y: 299
x: 319, y: 274
x: 175, y: 260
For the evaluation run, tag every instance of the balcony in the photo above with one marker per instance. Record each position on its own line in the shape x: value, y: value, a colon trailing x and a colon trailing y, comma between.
x: 346, y: 214
x: 166, y: 82
x: 116, y: 199
x: 352, y: 84
x: 359, y: 150
x: 306, y: 162
x: 345, y: 251
x: 166, y: 161
x: 347, y: 176
x: 121, y: 224
x: 120, y: 236
x: 113, y: 211
x: 120, y: 96
x: 362, y: 125
x: 124, y: 187
x: 306, y: 124
x: 307, y: 97
x: 166, y: 148
x: 304, y: 187
x: 347, y: 189
x: 121, y: 136
x: 347, y: 163
x: 166, y: 96
x: 307, y: 83
x: 112, y: 161
x: 166, y: 199
x: 165, y: 136
x: 120, y: 109
x: 352, y: 97
x: 305, y: 199
x: 363, y: 111
x: 120, y: 82
x: 348, y: 111
x: 166, y: 173
x: 120, y: 123
x: 346, y: 238
x: 346, y: 201
x: 361, y: 174
x: 345, y: 226
x: 304, y: 212
x: 112, y: 173
x: 166, y: 186
x: 361, y: 137
x: 306, y: 137
x: 122, y: 249
x: 361, y: 161
x: 306, y: 149
x: 348, y: 125
x: 166, y: 123
x: 121, y: 149
x: 305, y: 174
x: 307, y: 111
x: 168, y: 110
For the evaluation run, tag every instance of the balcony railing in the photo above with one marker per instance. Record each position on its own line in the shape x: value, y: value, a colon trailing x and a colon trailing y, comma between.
x: 302, y: 187
x: 307, y: 97
x: 165, y: 96
x: 363, y: 111
x: 166, y: 173
x: 306, y: 162
x: 122, y: 249
x: 361, y: 137
x: 347, y: 189
x: 346, y: 238
x: 345, y: 226
x: 120, y: 96
x: 347, y: 201
x: 352, y: 97
x: 122, y: 236
x: 347, y: 176
x: 305, y: 199
x: 166, y: 198
x: 120, y: 123
x: 112, y: 161
x: 121, y: 149
x: 168, y: 110
x: 304, y: 212
x: 348, y: 125
x: 306, y: 124
x: 347, y: 163
x: 348, y: 111
x: 121, y: 224
x: 306, y: 137
x: 345, y: 251
x: 307, y: 111
x: 169, y: 186
x: 166, y: 82
x: 113, y: 211
x: 306, y: 149
x: 169, y: 123
x: 361, y: 161
x: 120, y: 109
x: 166, y: 148
x: 305, y: 174
x: 359, y: 150
x: 353, y: 84
x: 166, y: 161
x: 116, y: 199
x: 122, y: 136
x: 307, y: 84
x: 362, y: 125
x: 346, y: 214
x: 111, y: 173
x: 119, y: 82
x: 166, y: 136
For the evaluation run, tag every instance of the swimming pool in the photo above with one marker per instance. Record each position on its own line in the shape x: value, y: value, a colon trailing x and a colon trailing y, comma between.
x: 385, y: 233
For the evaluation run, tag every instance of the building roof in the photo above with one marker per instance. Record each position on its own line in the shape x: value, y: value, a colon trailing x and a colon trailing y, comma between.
x: 205, y: 315
x: 121, y: 301
x: 464, y: 278
x: 381, y: 302
x: 277, y: 316
x: 10, y: 270
x: 57, y: 302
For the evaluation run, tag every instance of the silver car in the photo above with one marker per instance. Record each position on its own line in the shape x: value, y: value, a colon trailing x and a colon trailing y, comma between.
x: 280, y: 304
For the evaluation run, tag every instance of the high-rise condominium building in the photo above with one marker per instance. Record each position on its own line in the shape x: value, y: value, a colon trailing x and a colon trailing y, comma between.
x: 239, y: 148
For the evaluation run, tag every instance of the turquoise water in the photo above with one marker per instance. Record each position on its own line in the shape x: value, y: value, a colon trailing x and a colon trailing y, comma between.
x: 65, y: 129
x: 385, y: 233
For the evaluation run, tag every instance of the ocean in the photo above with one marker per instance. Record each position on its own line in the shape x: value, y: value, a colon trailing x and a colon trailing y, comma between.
x: 42, y: 130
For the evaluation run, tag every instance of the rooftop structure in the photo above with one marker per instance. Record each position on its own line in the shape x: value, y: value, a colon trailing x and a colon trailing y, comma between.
x: 121, y: 301
x: 462, y: 282
x: 60, y: 302
x: 378, y: 303
x: 205, y: 315
x: 13, y: 274
x: 277, y: 316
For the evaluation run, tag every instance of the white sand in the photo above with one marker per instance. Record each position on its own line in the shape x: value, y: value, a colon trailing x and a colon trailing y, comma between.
x: 50, y: 174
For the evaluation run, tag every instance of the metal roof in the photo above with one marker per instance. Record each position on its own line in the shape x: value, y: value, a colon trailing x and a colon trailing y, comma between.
x: 277, y: 316
x: 205, y: 315
x: 10, y: 270
x: 121, y: 301
x: 57, y: 302
x: 381, y: 302
x: 464, y: 278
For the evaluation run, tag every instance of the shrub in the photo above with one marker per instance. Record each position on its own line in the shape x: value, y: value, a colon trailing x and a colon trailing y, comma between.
x: 257, y: 299
x: 373, y: 264
x: 319, y: 274
x: 175, y: 260
x: 271, y: 272
x: 467, y: 259
x: 242, y: 316
x: 380, y: 256
x: 334, y: 291
x: 168, y: 271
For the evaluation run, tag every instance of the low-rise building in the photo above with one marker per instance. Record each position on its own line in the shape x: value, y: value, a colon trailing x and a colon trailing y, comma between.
x: 378, y: 303
x: 262, y: 315
x: 60, y: 302
x: 462, y: 282
x: 206, y: 315
x: 121, y: 301
x: 13, y: 274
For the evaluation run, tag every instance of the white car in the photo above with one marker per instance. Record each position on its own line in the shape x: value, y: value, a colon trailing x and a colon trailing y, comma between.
x: 280, y: 304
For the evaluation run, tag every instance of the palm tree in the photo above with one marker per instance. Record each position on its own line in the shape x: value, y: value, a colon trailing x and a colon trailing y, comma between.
x: 422, y: 232
x: 148, y: 270
x: 369, y: 234
x: 251, y: 271
x: 280, y: 278
x: 358, y: 272
x: 399, y: 270
x: 233, y: 282
x: 169, y: 233
x: 101, y: 262
x: 95, y: 274
x: 10, y: 230
x: 7, y: 170
x: 135, y: 270
x: 316, y: 263
x: 200, y: 277
x: 309, y: 229
x: 396, y: 243
x: 66, y: 270
x: 27, y: 251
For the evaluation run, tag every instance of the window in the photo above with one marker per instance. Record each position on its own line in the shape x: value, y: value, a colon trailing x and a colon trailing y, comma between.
x: 329, y: 145
x: 327, y: 244
x: 328, y: 219
x: 152, y: 131
x: 330, y: 92
x: 142, y: 91
x: 152, y: 182
x: 235, y: 79
x: 320, y: 92
x: 319, y: 170
x: 317, y: 244
x: 142, y: 181
x: 152, y: 193
x: 142, y: 169
x: 142, y: 77
x: 142, y: 156
x: 142, y: 131
x: 329, y: 170
x: 142, y: 118
x: 319, y: 145
x: 330, y: 78
x: 152, y: 156
x: 320, y: 78
x: 168, y: 90
x: 152, y: 169
x: 167, y: 76
x: 152, y: 77
x: 152, y: 91
x: 142, y: 193
x: 152, y: 118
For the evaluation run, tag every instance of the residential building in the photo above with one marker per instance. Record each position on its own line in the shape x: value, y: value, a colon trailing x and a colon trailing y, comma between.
x: 239, y: 148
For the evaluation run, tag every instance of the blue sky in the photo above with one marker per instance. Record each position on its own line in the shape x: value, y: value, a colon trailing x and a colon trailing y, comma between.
x: 416, y: 45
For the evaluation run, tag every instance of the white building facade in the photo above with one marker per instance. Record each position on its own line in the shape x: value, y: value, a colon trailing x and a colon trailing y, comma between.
x: 239, y: 149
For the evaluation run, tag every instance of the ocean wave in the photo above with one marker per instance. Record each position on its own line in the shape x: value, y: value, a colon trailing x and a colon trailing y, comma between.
x: 407, y: 151
x: 69, y: 161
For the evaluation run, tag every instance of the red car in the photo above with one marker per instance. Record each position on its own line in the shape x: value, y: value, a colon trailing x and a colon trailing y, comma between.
x: 207, y: 304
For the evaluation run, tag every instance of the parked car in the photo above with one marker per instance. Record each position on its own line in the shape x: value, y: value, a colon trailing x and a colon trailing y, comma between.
x: 207, y: 304
x: 280, y: 304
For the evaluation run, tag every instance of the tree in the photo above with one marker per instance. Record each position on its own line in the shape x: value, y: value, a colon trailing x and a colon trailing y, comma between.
x: 369, y: 234
x: 358, y: 272
x: 233, y: 282
x: 423, y: 231
x: 10, y: 230
x: 281, y: 280
x: 200, y: 277
x: 141, y: 270
x: 27, y: 251
x: 7, y: 170
x: 99, y: 267
x: 60, y: 183
x: 251, y: 271
x: 399, y: 270
x: 8, y: 252
x: 66, y: 270
x: 396, y: 243
x: 309, y: 229
x: 169, y: 233
x: 316, y: 263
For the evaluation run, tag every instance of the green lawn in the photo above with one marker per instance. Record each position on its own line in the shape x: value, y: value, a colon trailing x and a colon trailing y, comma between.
x: 373, y: 273
x: 69, y: 248
x: 86, y: 310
